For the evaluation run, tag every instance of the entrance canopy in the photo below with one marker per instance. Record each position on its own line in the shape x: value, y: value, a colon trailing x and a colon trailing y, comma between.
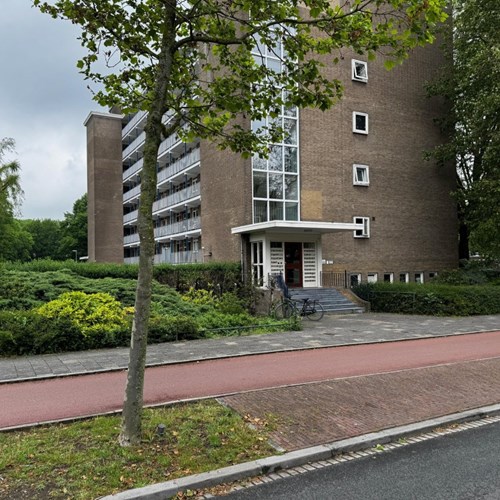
x: 298, y: 227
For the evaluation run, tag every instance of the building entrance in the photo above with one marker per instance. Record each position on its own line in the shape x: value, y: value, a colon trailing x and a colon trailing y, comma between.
x: 293, y: 264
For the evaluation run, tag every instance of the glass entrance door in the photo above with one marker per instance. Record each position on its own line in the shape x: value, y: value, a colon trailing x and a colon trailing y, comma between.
x: 293, y: 264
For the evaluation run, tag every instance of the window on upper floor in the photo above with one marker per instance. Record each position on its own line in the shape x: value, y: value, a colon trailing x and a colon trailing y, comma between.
x: 359, y: 122
x: 365, y: 232
x: 360, y: 175
x: 359, y: 71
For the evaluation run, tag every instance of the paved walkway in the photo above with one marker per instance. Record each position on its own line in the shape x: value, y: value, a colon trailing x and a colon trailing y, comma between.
x: 332, y: 330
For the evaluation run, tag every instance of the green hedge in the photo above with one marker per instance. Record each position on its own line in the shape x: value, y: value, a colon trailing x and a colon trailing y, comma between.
x: 430, y: 299
x: 220, y: 276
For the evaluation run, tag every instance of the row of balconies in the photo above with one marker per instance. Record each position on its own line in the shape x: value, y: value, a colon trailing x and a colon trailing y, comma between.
x: 175, y: 198
x: 178, y: 227
x: 174, y: 168
x: 168, y: 230
x: 188, y: 257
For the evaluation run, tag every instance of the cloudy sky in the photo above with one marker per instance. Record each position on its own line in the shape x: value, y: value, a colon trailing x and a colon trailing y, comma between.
x: 43, y: 104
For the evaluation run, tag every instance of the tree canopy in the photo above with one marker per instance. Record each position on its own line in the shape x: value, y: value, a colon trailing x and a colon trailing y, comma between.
x: 471, y: 85
x: 201, y: 62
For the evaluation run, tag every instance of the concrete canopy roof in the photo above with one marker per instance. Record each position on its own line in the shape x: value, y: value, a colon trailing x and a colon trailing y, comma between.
x: 281, y: 226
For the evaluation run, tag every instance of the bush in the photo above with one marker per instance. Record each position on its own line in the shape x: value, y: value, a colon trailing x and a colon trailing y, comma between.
x: 168, y: 328
x: 431, y: 299
x: 96, y: 315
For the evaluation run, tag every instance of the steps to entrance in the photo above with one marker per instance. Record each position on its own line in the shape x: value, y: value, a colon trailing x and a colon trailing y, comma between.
x: 331, y: 299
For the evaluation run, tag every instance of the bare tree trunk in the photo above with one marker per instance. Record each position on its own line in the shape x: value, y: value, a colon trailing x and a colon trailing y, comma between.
x: 134, y: 392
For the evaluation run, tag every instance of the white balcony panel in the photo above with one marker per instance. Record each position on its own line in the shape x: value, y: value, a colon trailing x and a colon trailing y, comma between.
x: 136, y: 167
x: 135, y: 144
x: 134, y: 122
x: 131, y: 260
x: 132, y: 216
x: 131, y: 238
x: 175, y: 198
x: 132, y: 193
x: 179, y: 165
x: 178, y: 227
x: 183, y: 257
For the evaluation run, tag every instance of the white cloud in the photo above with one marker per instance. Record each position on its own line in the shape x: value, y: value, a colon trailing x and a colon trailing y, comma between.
x: 43, y: 103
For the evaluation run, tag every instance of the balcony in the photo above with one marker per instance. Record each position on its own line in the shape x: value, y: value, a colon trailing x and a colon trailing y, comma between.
x: 178, y: 227
x: 176, y: 198
x: 131, y: 260
x: 188, y: 257
x: 134, y: 122
x: 132, y: 193
x: 136, y: 167
x: 130, y: 239
x: 138, y: 141
x: 131, y: 216
x: 179, y: 165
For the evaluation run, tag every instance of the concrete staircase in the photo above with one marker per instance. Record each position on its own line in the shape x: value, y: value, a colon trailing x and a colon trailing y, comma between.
x: 331, y: 299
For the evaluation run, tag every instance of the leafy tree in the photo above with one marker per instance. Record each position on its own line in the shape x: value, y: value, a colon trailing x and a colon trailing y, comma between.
x: 471, y: 85
x: 15, y: 243
x: 46, y: 236
x: 193, y: 58
x: 74, y: 230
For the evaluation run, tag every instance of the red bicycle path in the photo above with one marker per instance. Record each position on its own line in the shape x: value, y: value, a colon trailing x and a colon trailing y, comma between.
x: 32, y: 402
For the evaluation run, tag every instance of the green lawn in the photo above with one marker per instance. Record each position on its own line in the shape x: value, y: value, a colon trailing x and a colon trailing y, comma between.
x: 83, y: 460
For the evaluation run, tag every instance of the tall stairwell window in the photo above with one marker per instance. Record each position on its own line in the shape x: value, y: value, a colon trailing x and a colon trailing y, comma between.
x: 276, y: 182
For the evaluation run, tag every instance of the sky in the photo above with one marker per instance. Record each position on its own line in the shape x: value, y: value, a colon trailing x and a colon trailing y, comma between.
x: 43, y: 104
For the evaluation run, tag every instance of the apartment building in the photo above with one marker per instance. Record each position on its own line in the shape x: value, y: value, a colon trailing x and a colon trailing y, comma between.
x: 346, y: 193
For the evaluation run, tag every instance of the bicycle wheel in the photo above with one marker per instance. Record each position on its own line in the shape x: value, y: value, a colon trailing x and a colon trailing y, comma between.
x: 284, y: 310
x: 313, y: 310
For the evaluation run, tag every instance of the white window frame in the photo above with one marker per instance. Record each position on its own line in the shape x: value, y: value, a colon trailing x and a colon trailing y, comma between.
x: 419, y: 277
x: 371, y: 277
x: 355, y: 76
x: 358, y: 277
x: 407, y: 277
x: 391, y: 277
x: 358, y: 130
x: 365, y: 232
x: 355, y: 179
x: 432, y: 274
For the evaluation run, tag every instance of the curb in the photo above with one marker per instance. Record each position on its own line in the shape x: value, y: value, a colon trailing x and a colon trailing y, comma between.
x: 161, y: 491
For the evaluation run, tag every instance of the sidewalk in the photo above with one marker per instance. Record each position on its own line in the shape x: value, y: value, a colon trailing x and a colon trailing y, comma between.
x: 332, y: 330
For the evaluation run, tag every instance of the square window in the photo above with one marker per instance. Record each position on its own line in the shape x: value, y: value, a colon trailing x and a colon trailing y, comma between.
x: 359, y: 71
x: 360, y: 175
x: 388, y: 277
x: 372, y: 278
x: 359, y: 122
x: 365, y: 232
x: 419, y: 277
x: 404, y: 277
x: 432, y: 275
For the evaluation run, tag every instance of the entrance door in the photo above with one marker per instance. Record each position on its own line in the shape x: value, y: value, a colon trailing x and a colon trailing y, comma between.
x: 293, y: 264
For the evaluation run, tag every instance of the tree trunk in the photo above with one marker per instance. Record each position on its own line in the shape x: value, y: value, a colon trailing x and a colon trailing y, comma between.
x: 134, y: 392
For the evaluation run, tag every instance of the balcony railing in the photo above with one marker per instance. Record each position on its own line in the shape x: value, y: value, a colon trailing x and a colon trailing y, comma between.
x: 178, y: 227
x: 130, y: 216
x: 131, y: 260
x: 132, y: 193
x: 175, y: 198
x: 131, y: 238
x: 179, y: 165
x: 133, y: 169
x: 133, y: 123
x: 182, y: 257
x: 134, y: 145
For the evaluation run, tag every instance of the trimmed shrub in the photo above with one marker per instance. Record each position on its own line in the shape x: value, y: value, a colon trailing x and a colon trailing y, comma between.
x: 430, y: 299
x: 98, y: 316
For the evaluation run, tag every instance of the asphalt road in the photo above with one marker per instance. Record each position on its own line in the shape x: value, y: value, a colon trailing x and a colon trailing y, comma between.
x: 70, y: 397
x: 464, y: 466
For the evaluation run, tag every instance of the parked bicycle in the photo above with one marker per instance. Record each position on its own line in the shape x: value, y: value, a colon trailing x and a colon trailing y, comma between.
x: 311, y: 309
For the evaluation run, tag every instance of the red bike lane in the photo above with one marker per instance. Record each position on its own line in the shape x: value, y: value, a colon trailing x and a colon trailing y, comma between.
x: 33, y: 402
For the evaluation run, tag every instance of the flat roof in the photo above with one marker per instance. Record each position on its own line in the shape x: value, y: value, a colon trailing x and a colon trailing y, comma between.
x: 283, y: 226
